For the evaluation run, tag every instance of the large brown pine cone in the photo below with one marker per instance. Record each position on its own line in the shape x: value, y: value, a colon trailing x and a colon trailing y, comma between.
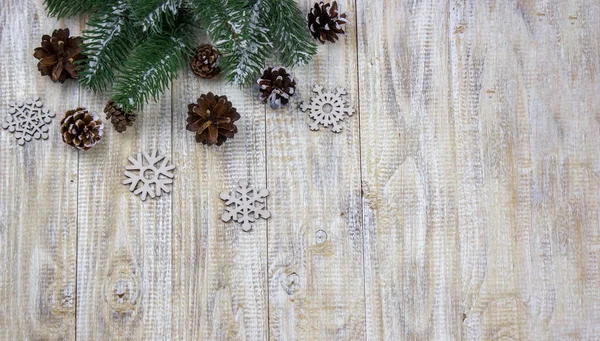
x: 58, y: 54
x: 276, y: 86
x: 212, y: 118
x: 81, y: 129
x: 204, y: 62
x: 325, y: 23
x: 119, y: 119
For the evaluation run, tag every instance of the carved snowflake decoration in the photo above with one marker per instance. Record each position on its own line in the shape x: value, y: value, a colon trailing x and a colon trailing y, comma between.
x: 245, y: 205
x: 327, y: 108
x: 149, y: 176
x: 28, y: 120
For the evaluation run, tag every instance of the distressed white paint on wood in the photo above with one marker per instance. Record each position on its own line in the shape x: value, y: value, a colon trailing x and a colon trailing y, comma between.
x: 38, y: 191
x: 219, y: 271
x: 481, y: 203
x: 315, y: 234
x: 124, y: 245
x: 478, y: 140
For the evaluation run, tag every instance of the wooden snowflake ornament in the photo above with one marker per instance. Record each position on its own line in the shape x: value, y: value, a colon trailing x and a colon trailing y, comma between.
x: 28, y: 120
x: 148, y: 175
x: 327, y: 108
x: 245, y: 205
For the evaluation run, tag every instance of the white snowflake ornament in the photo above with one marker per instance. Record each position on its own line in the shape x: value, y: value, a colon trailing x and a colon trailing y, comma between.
x: 245, y: 205
x: 327, y: 108
x: 28, y: 120
x: 149, y: 176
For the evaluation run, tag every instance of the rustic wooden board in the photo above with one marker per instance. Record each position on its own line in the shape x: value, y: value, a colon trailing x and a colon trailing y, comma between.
x: 315, y: 234
x: 219, y: 271
x: 38, y: 192
x: 124, y: 244
x: 461, y: 202
x: 480, y: 168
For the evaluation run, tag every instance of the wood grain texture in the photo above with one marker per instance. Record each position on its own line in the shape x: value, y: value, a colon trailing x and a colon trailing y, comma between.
x: 38, y: 191
x: 461, y: 202
x: 492, y: 157
x: 124, y: 244
x: 219, y: 271
x: 315, y: 234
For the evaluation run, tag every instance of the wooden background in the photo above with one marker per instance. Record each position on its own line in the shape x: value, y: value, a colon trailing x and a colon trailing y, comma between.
x: 462, y: 202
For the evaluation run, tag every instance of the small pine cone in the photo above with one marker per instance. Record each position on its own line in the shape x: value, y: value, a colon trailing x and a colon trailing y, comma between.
x: 276, y: 87
x: 58, y: 54
x: 119, y: 119
x: 325, y: 23
x: 212, y: 118
x: 204, y: 62
x: 81, y: 129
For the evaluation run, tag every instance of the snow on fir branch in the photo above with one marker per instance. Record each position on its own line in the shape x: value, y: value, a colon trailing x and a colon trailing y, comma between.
x: 236, y: 30
x: 153, y: 14
x: 140, y: 45
x: 108, y: 39
x: 152, y: 65
x: 288, y: 31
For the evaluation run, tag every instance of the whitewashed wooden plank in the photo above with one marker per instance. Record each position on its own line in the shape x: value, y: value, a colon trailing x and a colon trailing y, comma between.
x: 124, y: 253
x: 407, y: 138
x: 315, y: 233
x: 219, y: 271
x: 38, y: 190
x: 524, y: 81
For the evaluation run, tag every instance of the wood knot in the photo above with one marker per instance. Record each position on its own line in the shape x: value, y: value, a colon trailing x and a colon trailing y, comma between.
x: 122, y: 291
x: 320, y: 237
x: 61, y: 298
x: 291, y: 283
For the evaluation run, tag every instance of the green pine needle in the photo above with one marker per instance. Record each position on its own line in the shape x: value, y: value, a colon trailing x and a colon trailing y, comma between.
x: 153, y: 15
x: 237, y: 30
x: 107, y: 42
x: 290, y: 33
x: 69, y: 8
x: 140, y: 45
x: 152, y: 65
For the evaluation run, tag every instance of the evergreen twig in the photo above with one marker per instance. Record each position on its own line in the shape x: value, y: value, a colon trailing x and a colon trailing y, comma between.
x: 289, y: 33
x: 68, y: 8
x: 139, y: 45
x: 155, y: 14
x: 237, y: 30
x: 152, y: 65
x: 107, y: 41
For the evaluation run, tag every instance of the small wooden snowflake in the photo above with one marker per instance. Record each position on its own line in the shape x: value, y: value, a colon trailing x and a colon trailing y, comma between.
x: 28, y: 120
x: 148, y: 176
x: 327, y: 108
x: 245, y: 205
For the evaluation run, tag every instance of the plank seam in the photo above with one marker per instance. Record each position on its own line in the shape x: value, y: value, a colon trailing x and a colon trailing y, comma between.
x: 360, y: 170
x: 268, y: 297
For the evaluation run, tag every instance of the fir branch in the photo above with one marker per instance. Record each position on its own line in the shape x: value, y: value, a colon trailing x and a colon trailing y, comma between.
x: 68, y: 8
x: 152, y: 65
x: 237, y: 29
x: 154, y: 15
x: 290, y: 33
x: 107, y: 41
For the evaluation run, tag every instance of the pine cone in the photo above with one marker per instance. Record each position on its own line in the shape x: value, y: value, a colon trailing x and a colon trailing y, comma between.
x: 276, y: 87
x: 204, y: 62
x: 119, y: 119
x: 325, y: 23
x: 81, y: 129
x: 58, y: 54
x: 212, y: 118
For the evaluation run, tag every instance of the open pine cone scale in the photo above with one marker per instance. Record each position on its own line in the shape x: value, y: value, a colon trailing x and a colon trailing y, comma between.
x: 325, y: 23
x: 81, y: 129
x: 58, y: 54
x: 212, y: 119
